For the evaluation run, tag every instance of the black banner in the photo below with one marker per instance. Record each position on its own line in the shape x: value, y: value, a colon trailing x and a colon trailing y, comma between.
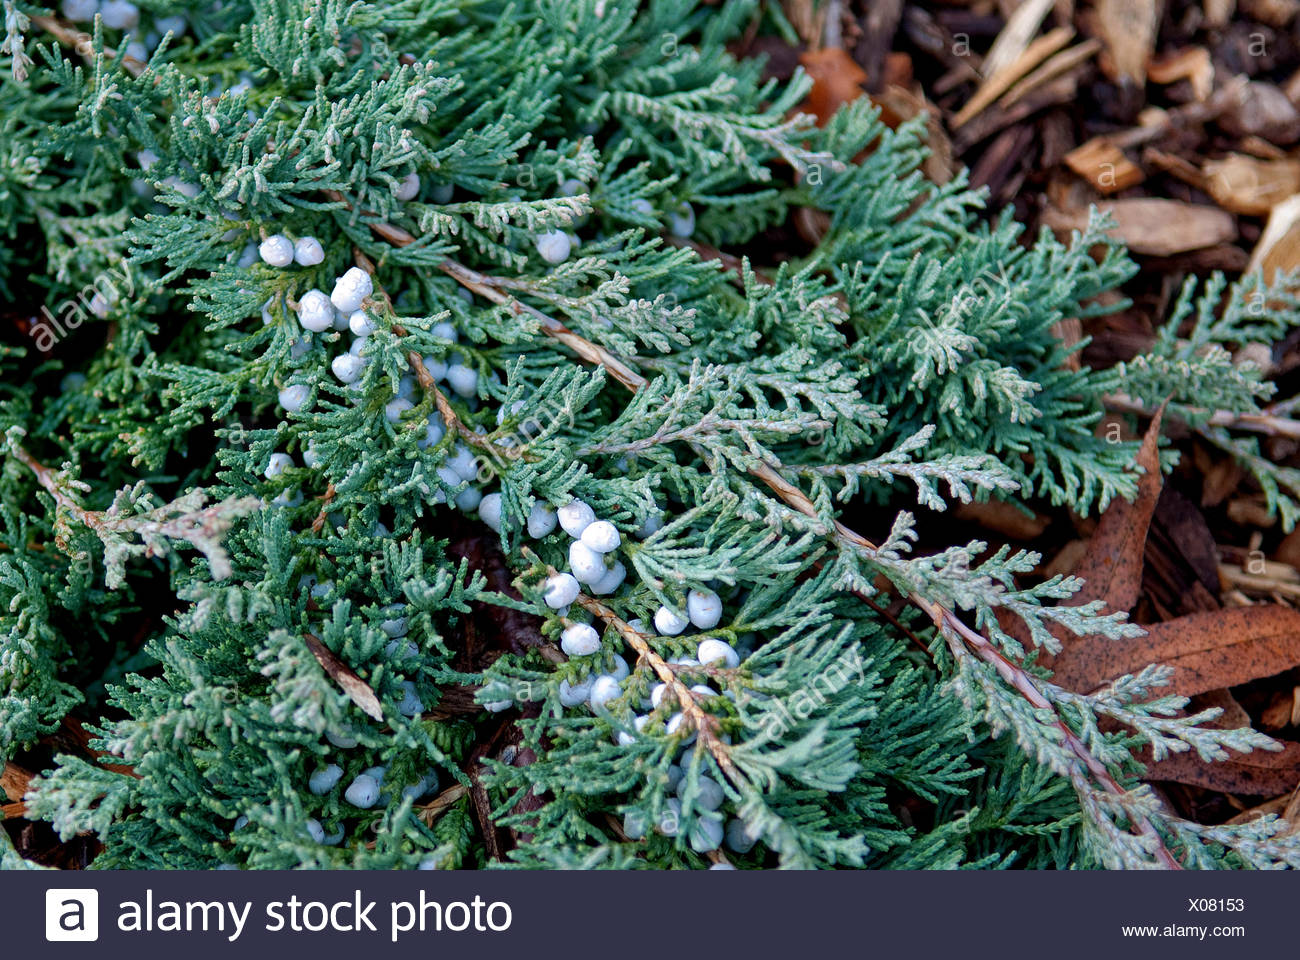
x: 630, y: 915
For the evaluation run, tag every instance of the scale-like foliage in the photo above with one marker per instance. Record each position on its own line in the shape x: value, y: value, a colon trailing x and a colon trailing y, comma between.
x: 268, y: 588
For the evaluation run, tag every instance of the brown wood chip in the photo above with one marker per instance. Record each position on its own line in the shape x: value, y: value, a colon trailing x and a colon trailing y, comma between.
x: 1104, y: 166
x: 1246, y: 185
x: 1154, y: 226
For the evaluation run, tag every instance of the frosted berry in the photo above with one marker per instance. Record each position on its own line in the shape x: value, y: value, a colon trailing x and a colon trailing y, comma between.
x: 362, y: 792
x: 174, y: 25
x: 463, y: 462
x: 394, y: 409
x: 604, y: 689
x: 709, y: 795
x: 411, y: 705
x: 80, y: 11
x: 658, y: 694
x: 575, y: 694
x: 462, y: 379
x: 276, y: 250
x: 433, y: 432
x: 575, y: 516
x: 670, y: 819
x: 740, y: 837
x: 681, y: 221
x: 554, y: 246
x: 315, y: 313
x: 611, y: 581
x: 308, y: 252
x: 409, y: 188
x: 469, y: 499
x: 437, y: 368
x: 120, y: 14
x: 489, y: 511
x: 706, y: 835
x: 322, y: 781
x: 601, y: 536
x: 587, y: 565
x: 541, y: 520
x: 351, y: 289
x: 704, y: 608
x: 396, y: 624
x: 712, y: 650
x: 649, y: 525
x: 580, y: 640
x: 278, y: 463
x: 669, y: 622
x: 620, y: 668
x: 560, y: 590
x: 347, y: 368
x: 294, y: 397
x: 360, y: 324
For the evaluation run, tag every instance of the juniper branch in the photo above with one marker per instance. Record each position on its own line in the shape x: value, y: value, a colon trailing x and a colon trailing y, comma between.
x: 946, y: 621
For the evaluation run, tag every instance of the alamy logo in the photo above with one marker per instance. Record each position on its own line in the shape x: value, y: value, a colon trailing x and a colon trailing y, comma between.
x: 72, y: 915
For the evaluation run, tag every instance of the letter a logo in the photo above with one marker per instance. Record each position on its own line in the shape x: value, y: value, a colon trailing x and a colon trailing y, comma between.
x: 72, y: 915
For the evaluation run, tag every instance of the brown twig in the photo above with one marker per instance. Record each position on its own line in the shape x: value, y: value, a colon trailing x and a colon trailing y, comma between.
x: 326, y: 499
x: 430, y: 386
x: 704, y: 723
x: 1266, y: 423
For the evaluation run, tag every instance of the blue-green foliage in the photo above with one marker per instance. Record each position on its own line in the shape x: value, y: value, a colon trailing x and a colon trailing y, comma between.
x: 226, y: 645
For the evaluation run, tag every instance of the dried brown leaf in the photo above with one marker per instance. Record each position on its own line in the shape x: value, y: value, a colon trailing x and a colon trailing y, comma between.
x: 358, y: 690
x: 837, y: 80
x: 1112, y: 566
x: 1258, y: 773
x: 1220, y: 648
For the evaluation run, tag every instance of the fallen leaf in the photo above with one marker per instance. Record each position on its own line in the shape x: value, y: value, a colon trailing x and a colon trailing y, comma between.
x: 358, y: 690
x: 1066, y: 61
x: 1259, y: 773
x: 1006, y: 519
x: 1219, y: 648
x: 837, y: 80
x: 1112, y: 566
x: 1154, y: 226
x: 1276, y: 13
